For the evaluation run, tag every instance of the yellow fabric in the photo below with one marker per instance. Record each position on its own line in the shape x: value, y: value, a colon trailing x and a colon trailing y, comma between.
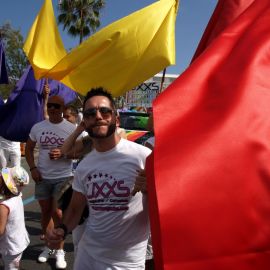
x: 120, y: 56
x: 43, y: 46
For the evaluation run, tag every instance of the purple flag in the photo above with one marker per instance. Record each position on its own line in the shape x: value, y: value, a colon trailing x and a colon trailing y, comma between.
x: 3, y: 68
x: 24, y: 107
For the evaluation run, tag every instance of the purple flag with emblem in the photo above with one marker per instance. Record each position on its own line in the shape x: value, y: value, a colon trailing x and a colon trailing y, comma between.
x: 3, y: 68
x: 24, y: 107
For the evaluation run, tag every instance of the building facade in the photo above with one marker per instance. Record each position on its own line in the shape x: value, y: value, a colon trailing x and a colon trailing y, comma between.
x: 144, y: 94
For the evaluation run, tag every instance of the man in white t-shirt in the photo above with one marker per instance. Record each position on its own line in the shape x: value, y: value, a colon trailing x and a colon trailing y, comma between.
x: 10, y: 153
x: 117, y: 229
x: 51, y: 172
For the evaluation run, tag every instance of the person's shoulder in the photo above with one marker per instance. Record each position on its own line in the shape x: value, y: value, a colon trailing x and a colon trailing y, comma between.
x: 135, y: 146
x: 67, y: 123
x: 84, y: 163
x: 40, y: 124
x: 67, y: 126
x: 131, y: 143
x: 12, y: 200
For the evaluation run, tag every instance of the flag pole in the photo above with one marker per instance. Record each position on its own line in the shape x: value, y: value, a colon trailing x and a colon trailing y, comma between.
x: 162, y: 80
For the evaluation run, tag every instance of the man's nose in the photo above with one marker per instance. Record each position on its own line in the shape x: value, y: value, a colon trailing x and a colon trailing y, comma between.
x: 98, y: 115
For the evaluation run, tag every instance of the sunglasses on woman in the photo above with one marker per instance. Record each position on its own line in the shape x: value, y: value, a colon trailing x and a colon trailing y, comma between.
x: 92, y: 112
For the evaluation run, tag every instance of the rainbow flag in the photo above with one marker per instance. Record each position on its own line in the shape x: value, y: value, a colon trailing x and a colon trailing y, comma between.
x: 133, y: 135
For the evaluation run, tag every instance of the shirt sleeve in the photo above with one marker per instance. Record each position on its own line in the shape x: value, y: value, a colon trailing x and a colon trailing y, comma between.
x: 32, y: 134
x: 77, y: 184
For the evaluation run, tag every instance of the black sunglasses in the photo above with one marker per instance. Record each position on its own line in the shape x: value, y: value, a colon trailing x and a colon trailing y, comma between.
x: 53, y: 105
x: 92, y: 112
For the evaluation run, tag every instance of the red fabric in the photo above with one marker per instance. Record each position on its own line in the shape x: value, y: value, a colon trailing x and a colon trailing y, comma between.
x: 153, y: 209
x: 224, y: 14
x: 212, y: 155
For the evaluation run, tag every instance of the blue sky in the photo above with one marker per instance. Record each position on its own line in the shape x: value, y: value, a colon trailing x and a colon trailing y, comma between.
x: 193, y: 15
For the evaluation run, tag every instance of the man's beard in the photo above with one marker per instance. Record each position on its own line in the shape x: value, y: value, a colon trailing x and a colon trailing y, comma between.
x: 110, y: 131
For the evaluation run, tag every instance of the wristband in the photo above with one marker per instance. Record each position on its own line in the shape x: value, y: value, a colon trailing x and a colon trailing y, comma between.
x: 64, y: 228
x: 32, y: 168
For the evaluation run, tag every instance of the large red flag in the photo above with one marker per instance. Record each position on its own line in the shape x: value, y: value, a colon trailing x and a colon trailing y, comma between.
x: 211, y: 196
x: 224, y: 14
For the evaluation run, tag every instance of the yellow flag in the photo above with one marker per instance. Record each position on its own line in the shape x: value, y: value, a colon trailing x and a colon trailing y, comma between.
x: 43, y: 46
x: 123, y: 54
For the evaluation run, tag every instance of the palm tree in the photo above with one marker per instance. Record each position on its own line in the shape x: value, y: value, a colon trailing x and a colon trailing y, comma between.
x: 80, y: 17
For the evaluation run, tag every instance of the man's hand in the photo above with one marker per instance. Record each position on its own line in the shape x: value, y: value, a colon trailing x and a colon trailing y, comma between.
x: 55, y: 153
x: 81, y: 127
x: 36, y: 175
x: 140, y: 183
x: 46, y: 91
x: 54, y: 237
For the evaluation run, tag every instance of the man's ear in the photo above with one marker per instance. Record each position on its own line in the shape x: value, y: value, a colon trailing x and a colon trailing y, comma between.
x: 117, y: 120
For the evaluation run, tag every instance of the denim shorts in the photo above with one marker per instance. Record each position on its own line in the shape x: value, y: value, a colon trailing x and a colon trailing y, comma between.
x: 48, y: 188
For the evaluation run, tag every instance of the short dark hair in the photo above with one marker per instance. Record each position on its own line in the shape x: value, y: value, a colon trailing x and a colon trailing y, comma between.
x: 72, y: 108
x: 99, y: 91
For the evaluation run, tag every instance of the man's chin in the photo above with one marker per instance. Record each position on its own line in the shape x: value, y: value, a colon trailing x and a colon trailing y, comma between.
x: 101, y: 133
x: 98, y: 136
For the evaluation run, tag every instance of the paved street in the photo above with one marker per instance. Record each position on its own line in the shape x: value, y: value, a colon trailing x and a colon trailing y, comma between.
x: 32, y: 217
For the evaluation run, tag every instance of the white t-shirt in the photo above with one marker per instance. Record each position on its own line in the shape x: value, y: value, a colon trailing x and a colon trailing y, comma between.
x: 118, y: 226
x: 9, y: 145
x: 15, y: 238
x: 48, y: 136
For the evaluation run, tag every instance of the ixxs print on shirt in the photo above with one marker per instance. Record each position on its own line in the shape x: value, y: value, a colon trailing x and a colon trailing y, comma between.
x: 106, y: 193
x: 50, y: 139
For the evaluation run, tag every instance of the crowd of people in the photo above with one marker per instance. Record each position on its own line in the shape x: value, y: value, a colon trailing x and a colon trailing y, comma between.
x: 89, y: 180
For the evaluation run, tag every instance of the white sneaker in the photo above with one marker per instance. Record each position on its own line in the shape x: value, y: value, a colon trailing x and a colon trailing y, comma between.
x: 60, y: 259
x: 45, y: 254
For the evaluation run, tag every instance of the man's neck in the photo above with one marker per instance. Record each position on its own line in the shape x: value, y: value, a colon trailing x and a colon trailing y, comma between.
x: 106, y: 144
x: 56, y: 120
